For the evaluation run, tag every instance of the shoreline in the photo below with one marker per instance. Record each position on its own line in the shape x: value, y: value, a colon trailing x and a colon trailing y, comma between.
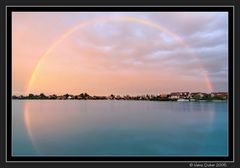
x: 173, y: 96
x: 214, y: 101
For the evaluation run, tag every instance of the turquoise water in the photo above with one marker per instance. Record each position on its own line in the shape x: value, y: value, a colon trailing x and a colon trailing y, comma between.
x: 111, y: 127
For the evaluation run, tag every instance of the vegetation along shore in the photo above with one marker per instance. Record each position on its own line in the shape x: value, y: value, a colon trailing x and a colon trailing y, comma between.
x: 174, y: 96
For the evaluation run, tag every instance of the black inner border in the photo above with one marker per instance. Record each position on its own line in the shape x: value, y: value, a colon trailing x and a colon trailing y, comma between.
x: 119, y: 9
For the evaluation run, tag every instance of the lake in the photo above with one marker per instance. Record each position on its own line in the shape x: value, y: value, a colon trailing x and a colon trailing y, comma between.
x: 116, y: 128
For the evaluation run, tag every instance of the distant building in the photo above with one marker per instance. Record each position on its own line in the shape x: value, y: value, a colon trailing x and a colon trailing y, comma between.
x: 175, y: 95
x: 219, y: 94
x: 184, y: 95
x: 178, y: 95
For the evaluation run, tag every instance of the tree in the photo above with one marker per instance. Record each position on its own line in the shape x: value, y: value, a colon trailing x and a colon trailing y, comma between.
x: 42, y: 96
x: 197, y: 97
x: 66, y: 96
x: 207, y: 97
x: 31, y: 96
x: 112, y: 96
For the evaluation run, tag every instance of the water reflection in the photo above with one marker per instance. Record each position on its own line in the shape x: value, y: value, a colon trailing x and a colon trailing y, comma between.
x: 122, y: 127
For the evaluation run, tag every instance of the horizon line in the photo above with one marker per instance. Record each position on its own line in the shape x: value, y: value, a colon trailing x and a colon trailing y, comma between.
x: 160, y: 93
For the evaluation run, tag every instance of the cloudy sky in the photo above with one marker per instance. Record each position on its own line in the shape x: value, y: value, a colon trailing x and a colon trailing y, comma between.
x: 120, y: 53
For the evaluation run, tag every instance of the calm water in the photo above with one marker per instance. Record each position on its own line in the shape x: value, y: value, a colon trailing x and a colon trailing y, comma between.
x: 105, y: 127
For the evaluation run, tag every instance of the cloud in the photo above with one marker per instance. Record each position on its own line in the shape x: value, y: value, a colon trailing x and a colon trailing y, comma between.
x: 126, y: 48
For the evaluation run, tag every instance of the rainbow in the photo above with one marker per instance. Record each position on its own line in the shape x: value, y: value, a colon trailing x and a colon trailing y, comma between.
x: 69, y: 32
x: 82, y: 24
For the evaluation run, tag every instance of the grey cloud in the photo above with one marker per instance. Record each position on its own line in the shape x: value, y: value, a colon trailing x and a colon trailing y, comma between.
x: 139, y: 45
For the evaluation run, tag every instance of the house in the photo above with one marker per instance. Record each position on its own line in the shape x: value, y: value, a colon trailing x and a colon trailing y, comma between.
x: 184, y: 95
x: 175, y: 95
x: 223, y: 95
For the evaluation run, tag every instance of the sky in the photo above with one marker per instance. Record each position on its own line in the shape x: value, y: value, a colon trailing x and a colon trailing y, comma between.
x: 105, y: 53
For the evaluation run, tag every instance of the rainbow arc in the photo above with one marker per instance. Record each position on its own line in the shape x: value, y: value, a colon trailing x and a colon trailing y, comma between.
x: 82, y: 24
